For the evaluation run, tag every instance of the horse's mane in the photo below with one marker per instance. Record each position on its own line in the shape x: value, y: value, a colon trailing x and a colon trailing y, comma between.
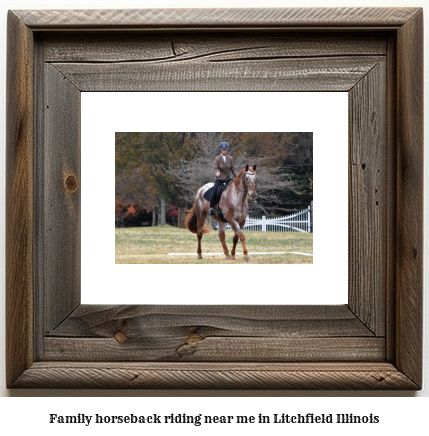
x: 241, y: 174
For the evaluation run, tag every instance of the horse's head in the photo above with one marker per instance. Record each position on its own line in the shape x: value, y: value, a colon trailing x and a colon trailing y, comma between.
x: 249, y: 181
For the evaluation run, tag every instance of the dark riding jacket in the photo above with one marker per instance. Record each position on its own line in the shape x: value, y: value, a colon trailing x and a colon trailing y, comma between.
x: 226, y: 168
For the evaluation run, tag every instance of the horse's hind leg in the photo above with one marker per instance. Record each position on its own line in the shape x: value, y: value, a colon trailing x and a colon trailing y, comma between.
x: 234, y: 245
x: 221, y: 235
x: 200, y: 233
x: 199, y: 236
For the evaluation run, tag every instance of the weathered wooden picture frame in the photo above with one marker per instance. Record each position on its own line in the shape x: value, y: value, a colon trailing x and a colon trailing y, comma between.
x: 373, y: 342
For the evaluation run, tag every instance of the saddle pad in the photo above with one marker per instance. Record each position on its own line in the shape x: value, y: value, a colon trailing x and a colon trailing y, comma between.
x: 208, y: 193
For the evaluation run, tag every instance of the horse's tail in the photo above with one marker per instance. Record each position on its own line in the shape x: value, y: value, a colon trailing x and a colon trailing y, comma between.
x: 191, y: 221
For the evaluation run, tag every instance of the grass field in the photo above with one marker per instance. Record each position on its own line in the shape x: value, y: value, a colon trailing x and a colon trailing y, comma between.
x: 151, y: 245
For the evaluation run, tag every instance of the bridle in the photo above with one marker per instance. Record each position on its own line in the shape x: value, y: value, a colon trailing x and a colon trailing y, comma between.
x: 245, y: 190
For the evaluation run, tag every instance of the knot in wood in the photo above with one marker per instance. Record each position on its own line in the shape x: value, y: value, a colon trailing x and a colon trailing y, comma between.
x: 193, y: 338
x: 71, y: 183
x: 120, y: 337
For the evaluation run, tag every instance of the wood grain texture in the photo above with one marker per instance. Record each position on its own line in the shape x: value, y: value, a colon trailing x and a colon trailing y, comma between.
x: 19, y: 200
x: 192, y: 347
x: 61, y: 187
x: 215, y: 376
x: 175, y: 348
x: 39, y: 200
x: 368, y: 202
x: 213, y: 333
x: 391, y: 190
x: 99, y: 321
x: 409, y: 279
x: 330, y: 74
x: 171, y: 47
x: 207, y: 18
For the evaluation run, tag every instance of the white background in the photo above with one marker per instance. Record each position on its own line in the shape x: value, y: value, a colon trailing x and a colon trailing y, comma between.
x: 324, y: 282
x: 400, y: 414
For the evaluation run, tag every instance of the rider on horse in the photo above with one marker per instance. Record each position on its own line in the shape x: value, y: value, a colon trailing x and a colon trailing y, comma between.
x: 224, y: 169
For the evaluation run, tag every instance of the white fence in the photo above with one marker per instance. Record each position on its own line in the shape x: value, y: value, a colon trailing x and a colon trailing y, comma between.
x: 297, y: 222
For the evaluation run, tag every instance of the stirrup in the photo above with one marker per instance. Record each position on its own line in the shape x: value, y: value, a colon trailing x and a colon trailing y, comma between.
x: 210, y: 212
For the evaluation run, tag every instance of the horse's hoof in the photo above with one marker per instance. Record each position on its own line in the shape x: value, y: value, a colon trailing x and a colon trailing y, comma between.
x: 247, y: 260
x: 232, y: 257
x: 228, y: 257
x: 199, y: 257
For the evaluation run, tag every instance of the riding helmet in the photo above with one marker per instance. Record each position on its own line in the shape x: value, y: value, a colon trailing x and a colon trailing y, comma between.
x: 224, y: 146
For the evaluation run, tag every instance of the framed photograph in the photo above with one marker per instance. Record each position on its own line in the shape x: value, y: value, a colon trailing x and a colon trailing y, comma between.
x: 177, y: 165
x: 60, y: 185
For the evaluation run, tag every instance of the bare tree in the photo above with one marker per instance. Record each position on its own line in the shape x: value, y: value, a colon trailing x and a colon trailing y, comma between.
x: 194, y: 172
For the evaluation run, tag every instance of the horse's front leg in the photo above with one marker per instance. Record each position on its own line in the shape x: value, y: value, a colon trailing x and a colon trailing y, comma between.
x: 243, y: 243
x: 239, y: 235
x: 234, y: 245
x: 221, y: 235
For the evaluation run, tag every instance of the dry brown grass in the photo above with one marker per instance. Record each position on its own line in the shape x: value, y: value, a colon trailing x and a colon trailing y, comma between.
x: 151, y: 245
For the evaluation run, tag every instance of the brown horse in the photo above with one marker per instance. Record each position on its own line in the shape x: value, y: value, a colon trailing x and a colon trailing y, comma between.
x: 234, y: 206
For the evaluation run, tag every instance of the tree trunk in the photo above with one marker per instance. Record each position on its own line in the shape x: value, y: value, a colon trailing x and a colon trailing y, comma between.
x: 181, y: 218
x: 153, y: 218
x: 163, y: 220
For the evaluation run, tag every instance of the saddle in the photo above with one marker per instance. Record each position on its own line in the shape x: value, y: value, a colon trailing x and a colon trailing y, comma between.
x: 220, y: 190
